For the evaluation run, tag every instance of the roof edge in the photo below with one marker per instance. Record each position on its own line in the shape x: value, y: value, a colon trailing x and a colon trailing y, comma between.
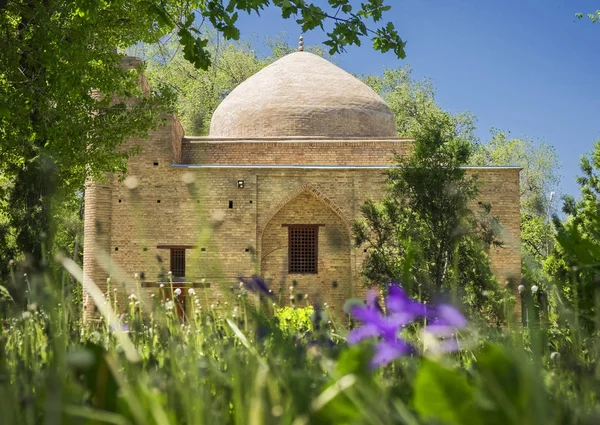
x: 213, y: 139
x: 328, y: 167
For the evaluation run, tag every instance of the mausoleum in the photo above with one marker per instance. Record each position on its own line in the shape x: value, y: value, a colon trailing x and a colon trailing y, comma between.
x: 292, y: 154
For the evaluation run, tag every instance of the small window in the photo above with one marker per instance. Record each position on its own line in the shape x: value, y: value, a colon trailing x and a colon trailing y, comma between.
x: 178, y: 263
x: 303, y: 248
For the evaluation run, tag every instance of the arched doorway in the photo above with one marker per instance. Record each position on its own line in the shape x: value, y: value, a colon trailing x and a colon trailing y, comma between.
x: 306, y: 244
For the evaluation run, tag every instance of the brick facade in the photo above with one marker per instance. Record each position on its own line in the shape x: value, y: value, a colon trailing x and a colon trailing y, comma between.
x: 165, y: 203
x: 185, y: 192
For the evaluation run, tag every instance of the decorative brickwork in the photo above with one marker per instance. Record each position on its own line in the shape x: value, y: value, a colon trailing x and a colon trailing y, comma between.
x: 330, y: 152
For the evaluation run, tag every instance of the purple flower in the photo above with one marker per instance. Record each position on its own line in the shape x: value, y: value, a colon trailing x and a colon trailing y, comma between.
x: 401, y: 310
x: 440, y: 332
x: 122, y: 326
x: 256, y: 284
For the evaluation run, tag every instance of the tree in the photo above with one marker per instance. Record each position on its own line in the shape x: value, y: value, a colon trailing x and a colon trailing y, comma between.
x: 57, y: 53
x: 593, y: 16
x: 539, y: 180
x: 55, y: 129
x: 574, y: 260
x: 539, y: 163
x: 423, y: 233
x: 200, y: 91
x: 411, y: 101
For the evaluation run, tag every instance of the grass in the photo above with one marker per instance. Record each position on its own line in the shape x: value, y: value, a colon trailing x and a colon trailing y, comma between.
x: 246, y: 363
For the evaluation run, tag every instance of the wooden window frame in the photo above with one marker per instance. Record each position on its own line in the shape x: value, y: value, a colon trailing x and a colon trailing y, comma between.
x: 292, y: 264
x: 177, y: 254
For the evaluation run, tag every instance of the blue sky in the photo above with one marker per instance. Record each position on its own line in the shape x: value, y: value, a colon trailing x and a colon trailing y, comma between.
x: 527, y: 66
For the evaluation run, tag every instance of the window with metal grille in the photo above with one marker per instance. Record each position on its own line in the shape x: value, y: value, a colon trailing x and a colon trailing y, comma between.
x: 178, y: 263
x: 303, y: 248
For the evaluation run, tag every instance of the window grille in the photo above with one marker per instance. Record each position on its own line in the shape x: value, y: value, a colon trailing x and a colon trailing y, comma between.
x: 303, y: 248
x: 178, y: 263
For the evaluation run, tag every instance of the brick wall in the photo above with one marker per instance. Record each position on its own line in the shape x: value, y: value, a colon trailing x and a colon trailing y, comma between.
x: 225, y: 242
x: 293, y: 151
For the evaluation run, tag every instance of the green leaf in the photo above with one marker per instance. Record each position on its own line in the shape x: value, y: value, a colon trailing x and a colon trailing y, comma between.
x: 444, y: 394
x: 355, y: 359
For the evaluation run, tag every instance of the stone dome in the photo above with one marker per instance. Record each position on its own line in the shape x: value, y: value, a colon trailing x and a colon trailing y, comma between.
x: 302, y: 95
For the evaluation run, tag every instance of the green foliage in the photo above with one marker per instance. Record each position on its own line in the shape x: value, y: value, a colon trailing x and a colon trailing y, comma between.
x: 594, y: 17
x: 539, y: 164
x: 502, y: 388
x: 574, y: 260
x: 236, y: 367
x: 67, y: 106
x: 539, y: 180
x: 444, y: 394
x: 423, y: 232
x: 295, y: 320
x: 349, y: 24
x: 58, y: 56
x: 412, y: 101
x: 199, y: 91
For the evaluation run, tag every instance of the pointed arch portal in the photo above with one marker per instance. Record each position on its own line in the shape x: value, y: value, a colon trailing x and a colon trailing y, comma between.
x: 331, y: 279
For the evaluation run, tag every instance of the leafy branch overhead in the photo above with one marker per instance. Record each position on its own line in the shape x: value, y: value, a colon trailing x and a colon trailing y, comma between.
x: 59, y: 55
x: 349, y: 23
x: 594, y: 17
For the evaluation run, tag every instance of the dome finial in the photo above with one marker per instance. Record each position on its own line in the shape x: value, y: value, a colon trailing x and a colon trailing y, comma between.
x: 301, y: 44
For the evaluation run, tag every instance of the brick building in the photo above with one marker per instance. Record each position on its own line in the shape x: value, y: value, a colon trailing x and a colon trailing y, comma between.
x: 292, y: 154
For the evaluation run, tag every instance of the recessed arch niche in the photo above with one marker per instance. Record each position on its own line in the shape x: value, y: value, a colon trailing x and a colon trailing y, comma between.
x: 332, y: 282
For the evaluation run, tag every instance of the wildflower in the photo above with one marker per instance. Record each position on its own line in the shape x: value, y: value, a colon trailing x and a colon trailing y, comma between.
x: 170, y: 273
x: 178, y: 291
x: 120, y: 325
x: 256, y: 284
x: 132, y: 297
x: 136, y: 276
x: 26, y: 315
x: 191, y: 292
x: 439, y: 335
x: 95, y: 336
x: 162, y: 285
x: 169, y: 305
x: 401, y: 310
